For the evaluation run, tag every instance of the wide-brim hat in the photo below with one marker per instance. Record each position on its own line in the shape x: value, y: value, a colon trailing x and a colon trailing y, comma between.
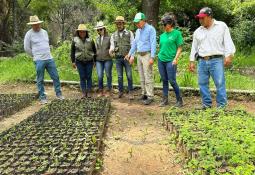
x: 34, y: 20
x: 82, y: 27
x: 120, y: 19
x: 100, y: 25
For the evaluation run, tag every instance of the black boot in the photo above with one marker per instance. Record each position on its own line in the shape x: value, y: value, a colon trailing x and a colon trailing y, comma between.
x: 89, y: 93
x: 179, y: 103
x: 164, y: 101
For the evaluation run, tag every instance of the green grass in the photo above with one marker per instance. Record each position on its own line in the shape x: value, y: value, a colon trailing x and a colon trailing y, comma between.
x: 21, y: 68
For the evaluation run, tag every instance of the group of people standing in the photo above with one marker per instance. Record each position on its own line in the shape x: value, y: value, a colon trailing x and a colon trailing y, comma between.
x: 122, y: 46
x: 212, y: 47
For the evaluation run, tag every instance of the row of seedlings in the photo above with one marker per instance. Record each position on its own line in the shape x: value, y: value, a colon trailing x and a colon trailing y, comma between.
x: 11, y: 103
x: 64, y: 137
x: 214, y: 141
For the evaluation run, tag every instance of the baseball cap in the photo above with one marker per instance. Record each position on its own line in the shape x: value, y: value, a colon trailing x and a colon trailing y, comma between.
x: 139, y: 16
x: 206, y: 11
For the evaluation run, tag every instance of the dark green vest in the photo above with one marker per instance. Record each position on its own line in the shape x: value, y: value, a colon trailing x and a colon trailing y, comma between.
x: 103, y: 49
x: 122, y: 44
x: 83, y: 50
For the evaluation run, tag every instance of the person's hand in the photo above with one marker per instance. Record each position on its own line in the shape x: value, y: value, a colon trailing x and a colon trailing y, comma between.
x: 227, y: 61
x: 74, y: 65
x: 127, y: 57
x: 111, y: 53
x: 151, y: 61
x: 131, y: 60
x: 175, y: 62
x: 192, y: 66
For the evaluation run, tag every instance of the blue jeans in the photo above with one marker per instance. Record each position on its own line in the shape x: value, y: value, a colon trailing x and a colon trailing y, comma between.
x: 168, y: 75
x: 50, y: 66
x: 85, y: 73
x: 107, y: 66
x: 120, y: 63
x: 214, y: 68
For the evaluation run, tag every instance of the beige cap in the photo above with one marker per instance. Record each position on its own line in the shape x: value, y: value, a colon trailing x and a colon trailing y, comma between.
x: 34, y: 20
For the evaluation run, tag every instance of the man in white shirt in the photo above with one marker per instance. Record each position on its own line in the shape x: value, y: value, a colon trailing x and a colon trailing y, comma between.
x: 36, y: 44
x: 121, y: 41
x: 213, y: 48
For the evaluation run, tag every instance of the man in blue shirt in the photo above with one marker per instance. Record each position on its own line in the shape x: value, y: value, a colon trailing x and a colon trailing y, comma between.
x: 145, y: 46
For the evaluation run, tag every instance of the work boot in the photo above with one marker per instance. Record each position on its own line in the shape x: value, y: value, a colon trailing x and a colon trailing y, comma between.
x: 89, y: 94
x: 108, y: 93
x: 120, y: 95
x: 84, y: 95
x: 143, y: 97
x: 148, y: 101
x: 131, y: 95
x: 100, y: 93
x: 179, y: 103
x: 164, y: 101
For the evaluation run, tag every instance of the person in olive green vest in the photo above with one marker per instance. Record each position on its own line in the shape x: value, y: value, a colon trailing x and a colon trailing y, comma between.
x: 121, y: 41
x: 103, y: 59
x: 83, y: 54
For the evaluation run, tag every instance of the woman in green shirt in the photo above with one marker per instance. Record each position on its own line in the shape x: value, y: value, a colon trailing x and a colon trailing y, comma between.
x: 170, y: 49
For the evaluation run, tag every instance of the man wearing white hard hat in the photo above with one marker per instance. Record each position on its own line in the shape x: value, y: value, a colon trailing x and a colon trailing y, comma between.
x: 36, y: 44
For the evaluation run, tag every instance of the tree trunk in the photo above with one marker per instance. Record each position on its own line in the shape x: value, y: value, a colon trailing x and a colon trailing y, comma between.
x: 4, y: 17
x: 151, y: 11
x: 14, y: 15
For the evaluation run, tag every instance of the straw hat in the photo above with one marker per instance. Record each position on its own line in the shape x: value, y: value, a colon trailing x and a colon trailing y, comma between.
x: 82, y: 27
x: 34, y: 20
x: 100, y: 25
x: 120, y: 19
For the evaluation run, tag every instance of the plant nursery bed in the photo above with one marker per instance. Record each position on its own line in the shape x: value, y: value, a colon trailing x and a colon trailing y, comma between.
x: 64, y: 137
x: 11, y: 103
x: 214, y: 141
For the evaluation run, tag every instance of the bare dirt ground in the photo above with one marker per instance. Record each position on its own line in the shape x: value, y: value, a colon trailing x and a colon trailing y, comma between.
x: 135, y: 143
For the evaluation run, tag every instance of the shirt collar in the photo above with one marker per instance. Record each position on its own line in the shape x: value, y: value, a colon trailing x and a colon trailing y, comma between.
x: 215, y: 22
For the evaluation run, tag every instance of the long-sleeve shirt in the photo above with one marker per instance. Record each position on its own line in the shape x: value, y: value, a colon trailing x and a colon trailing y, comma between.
x: 145, y: 41
x: 36, y: 44
x: 121, y: 33
x: 215, y: 40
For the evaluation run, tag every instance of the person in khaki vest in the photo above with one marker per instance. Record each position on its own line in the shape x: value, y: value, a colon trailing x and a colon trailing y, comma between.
x: 103, y: 59
x: 121, y: 41
x: 83, y: 54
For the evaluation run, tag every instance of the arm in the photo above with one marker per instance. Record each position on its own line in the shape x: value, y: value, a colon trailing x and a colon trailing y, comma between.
x: 153, y: 42
x: 229, y: 47
x: 111, y: 50
x: 194, y: 50
x: 133, y: 46
x: 178, y: 53
x: 27, y: 44
x: 94, y: 50
x: 73, y: 52
x: 179, y: 43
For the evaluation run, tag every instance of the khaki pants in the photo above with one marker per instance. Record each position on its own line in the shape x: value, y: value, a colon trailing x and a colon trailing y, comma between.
x: 146, y: 75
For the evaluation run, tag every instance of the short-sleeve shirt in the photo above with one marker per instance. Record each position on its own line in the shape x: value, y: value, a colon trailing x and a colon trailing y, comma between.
x: 169, y: 43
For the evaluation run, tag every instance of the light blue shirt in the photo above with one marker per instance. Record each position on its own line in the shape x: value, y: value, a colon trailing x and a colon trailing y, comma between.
x: 145, y: 41
x: 36, y: 44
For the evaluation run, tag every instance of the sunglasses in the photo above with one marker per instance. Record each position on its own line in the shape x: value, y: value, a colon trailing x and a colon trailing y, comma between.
x: 99, y: 30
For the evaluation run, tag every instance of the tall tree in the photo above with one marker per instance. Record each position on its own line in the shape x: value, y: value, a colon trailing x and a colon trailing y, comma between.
x: 151, y: 10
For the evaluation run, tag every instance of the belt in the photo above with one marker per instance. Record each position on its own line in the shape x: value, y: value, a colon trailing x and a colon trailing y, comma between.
x: 210, y: 57
x: 143, y: 53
